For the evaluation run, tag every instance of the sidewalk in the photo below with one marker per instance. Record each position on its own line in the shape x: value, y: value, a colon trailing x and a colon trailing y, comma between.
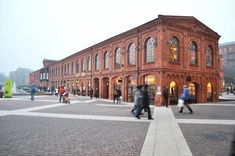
x: 225, y: 97
x: 164, y: 137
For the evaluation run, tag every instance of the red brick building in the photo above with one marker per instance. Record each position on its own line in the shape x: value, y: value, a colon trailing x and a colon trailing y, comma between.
x: 167, y: 51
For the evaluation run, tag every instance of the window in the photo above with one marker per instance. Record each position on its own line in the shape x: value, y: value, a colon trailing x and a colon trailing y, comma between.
x: 72, y: 68
x: 68, y: 69
x: 106, y: 60
x: 149, y: 50
x: 77, y: 67
x: 65, y: 70
x: 209, y: 56
x: 174, y: 50
x: 83, y: 65
x: 97, y: 62
x: 89, y: 63
x: 61, y: 71
x: 193, y: 53
x: 131, y: 50
x: 118, y: 57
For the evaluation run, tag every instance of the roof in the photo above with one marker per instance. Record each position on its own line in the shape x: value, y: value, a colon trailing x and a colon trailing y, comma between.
x: 227, y: 43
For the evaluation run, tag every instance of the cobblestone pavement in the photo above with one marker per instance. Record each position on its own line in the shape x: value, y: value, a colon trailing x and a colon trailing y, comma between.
x: 86, y: 127
x: 23, y: 134
x: 215, y: 136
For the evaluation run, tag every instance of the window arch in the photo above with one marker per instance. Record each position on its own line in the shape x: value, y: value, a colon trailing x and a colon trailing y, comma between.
x: 209, y: 56
x: 132, y: 53
x: 65, y: 70
x: 83, y: 65
x: 118, y: 57
x: 72, y: 66
x: 89, y: 63
x: 193, y: 53
x: 149, y: 50
x: 68, y: 68
x: 106, y: 60
x: 77, y: 67
x: 97, y: 62
x: 174, y: 50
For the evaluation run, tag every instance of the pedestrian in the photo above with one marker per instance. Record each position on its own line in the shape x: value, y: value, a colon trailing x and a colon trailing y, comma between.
x: 119, y: 94
x: 165, y: 95
x: 138, y: 102
x: 115, y: 94
x: 91, y: 93
x: 33, y: 91
x: 61, y: 92
x: 227, y: 90
x: 185, y: 97
x: 146, y: 101
x: 96, y: 93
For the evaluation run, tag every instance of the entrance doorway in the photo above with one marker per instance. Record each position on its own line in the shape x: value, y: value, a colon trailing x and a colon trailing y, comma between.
x: 209, y: 92
x: 106, y: 88
x: 193, y: 91
x: 150, y: 80
x: 131, y: 88
x: 173, y: 89
x: 96, y: 87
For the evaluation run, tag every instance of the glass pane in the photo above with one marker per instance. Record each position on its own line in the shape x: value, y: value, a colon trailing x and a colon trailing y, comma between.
x: 106, y: 59
x: 174, y: 50
x: 208, y: 56
x: 150, y: 50
x: 132, y: 54
x: 89, y: 63
x: 97, y: 62
x: 193, y: 53
x: 118, y: 57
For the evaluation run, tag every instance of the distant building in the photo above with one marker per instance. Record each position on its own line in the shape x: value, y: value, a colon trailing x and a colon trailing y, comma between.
x: 167, y: 51
x: 228, y: 52
x: 40, y: 78
x: 20, y: 76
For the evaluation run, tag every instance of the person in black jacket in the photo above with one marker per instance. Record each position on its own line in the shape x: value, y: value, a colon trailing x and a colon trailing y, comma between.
x: 146, y: 101
x: 166, y: 95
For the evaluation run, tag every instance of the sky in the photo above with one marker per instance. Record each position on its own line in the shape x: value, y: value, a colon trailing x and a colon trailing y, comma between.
x: 31, y: 30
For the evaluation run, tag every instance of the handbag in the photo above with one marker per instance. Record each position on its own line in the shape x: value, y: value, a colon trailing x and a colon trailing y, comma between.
x: 180, y: 103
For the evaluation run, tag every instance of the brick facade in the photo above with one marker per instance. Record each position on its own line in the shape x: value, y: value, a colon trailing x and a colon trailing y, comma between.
x: 167, y: 65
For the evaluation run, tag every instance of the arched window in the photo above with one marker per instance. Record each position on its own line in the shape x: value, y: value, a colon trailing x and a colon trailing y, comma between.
x: 62, y: 72
x: 118, y: 57
x: 174, y: 50
x: 89, y: 63
x: 65, y: 70
x: 149, y: 50
x: 68, y: 68
x: 97, y: 62
x: 83, y: 65
x: 72, y: 66
x: 193, y: 53
x: 106, y: 60
x: 77, y: 67
x: 209, y: 56
x: 131, y: 58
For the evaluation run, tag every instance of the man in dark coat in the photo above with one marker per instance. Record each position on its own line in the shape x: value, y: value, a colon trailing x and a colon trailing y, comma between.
x: 166, y: 95
x: 146, y: 101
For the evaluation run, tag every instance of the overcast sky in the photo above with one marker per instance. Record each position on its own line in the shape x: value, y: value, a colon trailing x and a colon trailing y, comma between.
x: 31, y: 30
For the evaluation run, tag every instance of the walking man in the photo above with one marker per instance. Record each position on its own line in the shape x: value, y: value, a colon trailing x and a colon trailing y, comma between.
x: 166, y: 95
x: 185, y: 97
x: 146, y: 101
